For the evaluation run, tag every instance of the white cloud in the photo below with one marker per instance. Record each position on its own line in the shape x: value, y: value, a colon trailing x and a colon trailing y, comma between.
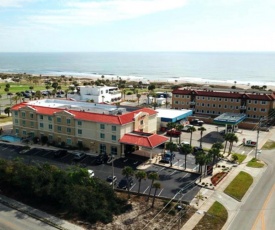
x: 13, y: 3
x: 91, y: 13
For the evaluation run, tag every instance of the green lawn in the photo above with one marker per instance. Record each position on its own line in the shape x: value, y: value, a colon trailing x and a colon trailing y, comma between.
x: 238, y: 187
x: 214, y: 219
x: 241, y: 157
x: 5, y: 118
x: 254, y: 163
x: 269, y: 145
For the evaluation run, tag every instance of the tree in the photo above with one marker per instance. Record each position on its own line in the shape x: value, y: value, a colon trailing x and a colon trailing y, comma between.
x: 140, y: 175
x: 151, y: 87
x: 232, y: 139
x: 200, y: 159
x: 138, y: 97
x: 16, y: 98
x: 179, y: 128
x: 201, y: 129
x: 185, y: 150
x: 152, y: 176
x: 127, y: 171
x: 7, y: 111
x: 235, y: 157
x: 38, y: 94
x: 191, y: 129
x: 156, y: 186
x: 171, y: 125
x: 207, y: 160
x: 55, y: 85
x: 226, y: 138
x: 214, y: 153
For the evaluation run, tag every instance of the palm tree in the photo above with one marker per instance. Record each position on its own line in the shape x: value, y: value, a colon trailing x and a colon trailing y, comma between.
x: 207, y: 160
x: 7, y: 111
x: 200, y: 159
x: 170, y: 125
x: 233, y: 138
x: 179, y: 128
x: 140, y: 175
x: 185, y: 149
x: 156, y: 186
x: 171, y: 147
x: 152, y: 176
x: 202, y: 129
x: 16, y: 98
x: 191, y: 129
x: 227, y: 138
x: 127, y: 171
x: 138, y: 97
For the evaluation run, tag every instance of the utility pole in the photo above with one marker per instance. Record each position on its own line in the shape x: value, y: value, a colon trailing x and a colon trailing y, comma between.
x: 258, y: 134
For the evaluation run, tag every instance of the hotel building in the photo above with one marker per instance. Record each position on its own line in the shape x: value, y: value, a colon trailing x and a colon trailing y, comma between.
x: 99, y: 127
x: 213, y: 102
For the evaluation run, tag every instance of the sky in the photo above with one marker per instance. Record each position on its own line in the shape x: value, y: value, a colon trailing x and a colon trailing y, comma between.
x: 137, y: 25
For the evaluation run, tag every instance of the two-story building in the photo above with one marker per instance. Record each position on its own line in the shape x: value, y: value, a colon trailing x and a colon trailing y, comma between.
x: 213, y: 102
x: 97, y: 94
x: 99, y: 127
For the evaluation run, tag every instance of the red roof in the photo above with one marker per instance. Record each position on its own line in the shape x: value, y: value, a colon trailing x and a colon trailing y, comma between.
x: 212, y: 93
x: 88, y: 116
x: 148, y: 140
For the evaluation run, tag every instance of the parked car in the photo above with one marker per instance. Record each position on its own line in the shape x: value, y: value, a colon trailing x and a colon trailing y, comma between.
x: 197, y: 122
x: 167, y: 157
x: 79, y: 156
x: 123, y: 183
x: 186, y: 128
x: 197, y: 149
x: 91, y: 173
x: 111, y: 180
x: 60, y: 153
x: 102, y: 158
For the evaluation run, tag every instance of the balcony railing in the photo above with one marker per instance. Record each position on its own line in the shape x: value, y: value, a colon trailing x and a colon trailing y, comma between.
x: 243, y: 107
x: 192, y: 103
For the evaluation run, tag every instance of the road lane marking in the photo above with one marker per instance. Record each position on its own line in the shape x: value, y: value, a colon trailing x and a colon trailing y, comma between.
x: 132, y: 186
x: 261, y: 214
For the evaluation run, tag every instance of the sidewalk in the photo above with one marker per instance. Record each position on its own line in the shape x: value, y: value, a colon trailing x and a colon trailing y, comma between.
x: 218, y: 195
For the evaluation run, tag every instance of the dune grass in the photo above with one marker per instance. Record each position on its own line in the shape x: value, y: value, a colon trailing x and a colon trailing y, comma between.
x: 239, y: 186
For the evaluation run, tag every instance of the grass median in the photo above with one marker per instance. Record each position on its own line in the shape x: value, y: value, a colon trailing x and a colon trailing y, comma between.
x: 239, y: 186
x: 254, y: 163
x: 214, y: 218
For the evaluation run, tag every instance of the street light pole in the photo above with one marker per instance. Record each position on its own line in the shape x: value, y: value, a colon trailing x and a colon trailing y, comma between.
x: 258, y: 134
x: 113, y: 172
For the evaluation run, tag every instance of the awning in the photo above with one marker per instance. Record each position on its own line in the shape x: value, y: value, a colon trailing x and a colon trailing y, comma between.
x: 146, y: 140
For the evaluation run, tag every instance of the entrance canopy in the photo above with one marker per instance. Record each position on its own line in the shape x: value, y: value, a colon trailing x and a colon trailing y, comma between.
x: 229, y: 118
x: 147, y: 140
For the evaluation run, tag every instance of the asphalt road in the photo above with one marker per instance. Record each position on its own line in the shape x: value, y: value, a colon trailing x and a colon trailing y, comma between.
x: 14, y: 220
x: 257, y: 212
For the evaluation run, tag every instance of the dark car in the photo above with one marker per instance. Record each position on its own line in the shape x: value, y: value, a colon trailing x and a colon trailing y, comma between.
x: 102, y: 158
x: 123, y: 183
x: 167, y: 157
x: 197, y: 122
x: 79, y: 156
x: 111, y: 179
x: 197, y: 149
x: 60, y: 153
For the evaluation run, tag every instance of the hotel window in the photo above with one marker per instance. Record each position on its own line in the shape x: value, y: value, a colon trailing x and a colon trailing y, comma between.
x: 79, y: 123
x: 41, y: 125
x: 102, y: 126
x: 113, y: 128
x: 220, y: 99
x: 213, y: 112
x: 23, y: 114
x: 198, y: 111
x: 49, y: 118
x: 202, y: 111
x: 255, y: 109
x: 232, y: 100
x: 209, y: 98
x: 23, y: 122
x: 263, y: 102
x: 202, y: 98
x: 50, y: 126
x: 231, y: 107
x: 176, y: 95
x: 220, y: 106
x: 32, y: 124
x: 176, y: 102
x: 237, y: 107
x: 255, y: 102
x: 50, y: 137
x: 208, y: 105
x: 113, y: 150
x: 214, y: 105
x: 24, y: 133
x: 102, y: 135
x: 263, y: 110
x: 59, y: 129
x: 225, y: 99
x: 31, y: 115
x: 198, y: 104
x: 225, y: 106
x: 41, y: 117
x: 79, y: 131
x: 16, y: 121
x: 248, y: 108
x: 68, y: 121
x: 237, y: 100
x: 102, y: 148
x: 69, y: 130
x: 16, y: 131
x: 202, y: 104
x: 69, y: 141
x: 15, y: 113
x: 58, y: 119
x: 182, y: 102
x: 207, y: 111
x: 214, y: 99
x: 249, y: 101
x: 187, y: 96
x: 113, y: 137
x: 198, y: 97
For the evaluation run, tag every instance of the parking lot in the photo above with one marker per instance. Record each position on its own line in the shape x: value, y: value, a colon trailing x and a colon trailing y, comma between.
x: 172, y: 180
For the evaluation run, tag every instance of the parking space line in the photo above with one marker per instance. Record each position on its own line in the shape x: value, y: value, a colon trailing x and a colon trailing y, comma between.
x: 172, y: 173
x: 132, y: 186
x: 160, y: 192
x: 37, y: 152
x: 125, y: 160
x: 195, y: 167
x: 45, y: 154
x: 146, y: 190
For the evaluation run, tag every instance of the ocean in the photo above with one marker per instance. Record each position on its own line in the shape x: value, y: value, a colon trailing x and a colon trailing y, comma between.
x: 199, y: 67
